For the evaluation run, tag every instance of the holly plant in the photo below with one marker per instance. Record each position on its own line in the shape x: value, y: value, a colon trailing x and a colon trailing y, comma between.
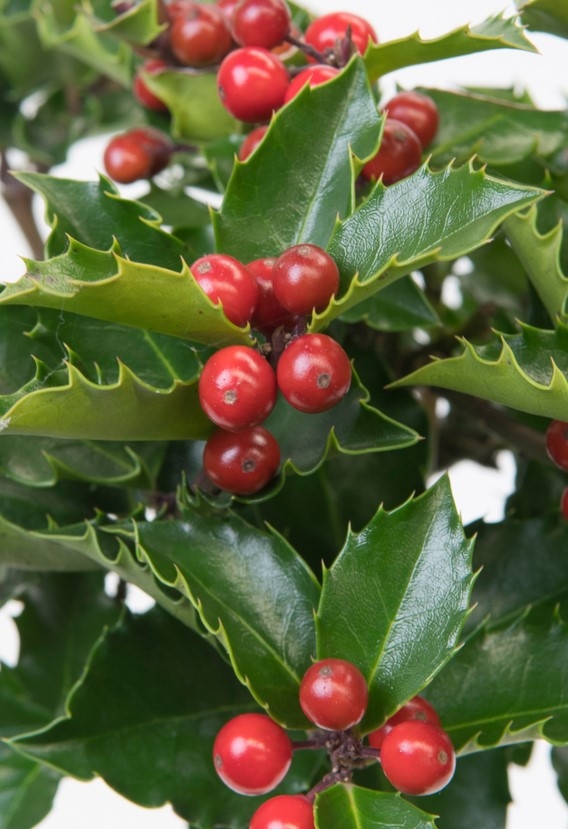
x: 240, y: 392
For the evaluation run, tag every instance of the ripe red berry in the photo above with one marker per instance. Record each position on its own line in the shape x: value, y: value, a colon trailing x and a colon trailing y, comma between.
x: 305, y: 278
x: 313, y: 373
x: 312, y: 75
x: 199, y: 36
x: 252, y: 83
x: 334, y: 694
x: 269, y: 313
x: 241, y: 462
x: 557, y: 443
x: 417, y: 111
x: 251, y: 142
x: 416, y: 708
x: 324, y: 32
x: 237, y: 388
x: 260, y: 22
x: 141, y: 92
x: 418, y: 757
x: 399, y: 155
x: 252, y: 754
x: 227, y: 7
x: 226, y: 280
x: 285, y: 811
x: 137, y: 154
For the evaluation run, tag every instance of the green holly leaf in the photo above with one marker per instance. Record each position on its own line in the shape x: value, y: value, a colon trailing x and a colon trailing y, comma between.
x: 496, y: 32
x: 526, y: 371
x: 120, y: 717
x: 401, y: 306
x: 396, y: 230
x: 540, y: 255
x: 411, y: 572
x: 500, y: 131
x: 544, y: 16
x: 250, y: 588
x: 138, y: 24
x: 352, y: 807
x: 27, y: 790
x: 506, y: 685
x: 276, y: 198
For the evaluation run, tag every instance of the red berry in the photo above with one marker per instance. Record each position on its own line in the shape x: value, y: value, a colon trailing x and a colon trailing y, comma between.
x: 286, y: 811
x: 141, y: 92
x: 325, y: 31
x: 399, y: 155
x: 269, y: 313
x: 417, y: 111
x: 252, y: 83
x: 557, y: 443
x: 260, y: 22
x: 252, y: 754
x: 416, y: 708
x: 136, y: 154
x: 334, y: 694
x: 313, y: 373
x: 313, y: 75
x: 241, y: 462
x: 227, y: 7
x: 226, y: 280
x: 200, y: 36
x: 237, y: 388
x: 418, y: 757
x: 305, y: 278
x: 251, y: 142
x: 564, y: 503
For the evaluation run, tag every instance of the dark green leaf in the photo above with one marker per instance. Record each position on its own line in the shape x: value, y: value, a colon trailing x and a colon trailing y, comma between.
x: 399, y: 307
x: 352, y: 807
x: 27, y: 790
x: 544, y: 16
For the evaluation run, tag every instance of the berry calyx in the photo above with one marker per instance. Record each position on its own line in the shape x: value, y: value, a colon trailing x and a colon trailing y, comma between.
x: 312, y: 76
x: 237, y: 388
x: 313, y: 373
x: 418, y: 758
x: 285, y: 811
x: 417, y: 111
x: 557, y: 443
x: 334, y: 694
x: 305, y: 278
x: 199, y: 36
x: 251, y: 142
x: 252, y: 754
x: 416, y: 708
x: 324, y: 32
x: 399, y: 155
x: 252, y: 83
x: 260, y: 22
x: 136, y: 154
x: 241, y: 462
x: 226, y: 280
x: 141, y: 91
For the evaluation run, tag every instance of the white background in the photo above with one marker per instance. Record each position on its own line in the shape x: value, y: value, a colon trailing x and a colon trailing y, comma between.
x: 537, y: 802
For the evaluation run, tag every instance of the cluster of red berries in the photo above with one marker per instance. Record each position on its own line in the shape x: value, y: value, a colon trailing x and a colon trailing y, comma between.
x: 239, y: 384
x: 557, y: 449
x: 252, y: 753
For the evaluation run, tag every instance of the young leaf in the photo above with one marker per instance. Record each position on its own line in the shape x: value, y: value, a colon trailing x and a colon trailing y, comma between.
x: 540, y: 255
x: 144, y: 718
x: 410, y: 571
x: 496, y: 32
x: 301, y: 177
x: 526, y: 371
x: 352, y: 807
x: 252, y: 591
x: 426, y: 217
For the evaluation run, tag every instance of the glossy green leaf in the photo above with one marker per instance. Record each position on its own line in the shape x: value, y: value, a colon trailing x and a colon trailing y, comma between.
x: 150, y: 746
x: 301, y: 177
x: 526, y: 371
x: 540, y: 255
x: 506, y: 684
x: 397, y: 230
x: 250, y: 589
x: 496, y: 32
x: 352, y: 807
x: 137, y: 24
x: 544, y: 16
x: 27, y: 790
x: 27, y: 550
x: 398, y: 307
x: 410, y: 570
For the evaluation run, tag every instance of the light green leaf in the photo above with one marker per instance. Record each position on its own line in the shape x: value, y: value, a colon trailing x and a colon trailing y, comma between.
x: 526, y: 371
x: 352, y: 807
x: 496, y: 32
